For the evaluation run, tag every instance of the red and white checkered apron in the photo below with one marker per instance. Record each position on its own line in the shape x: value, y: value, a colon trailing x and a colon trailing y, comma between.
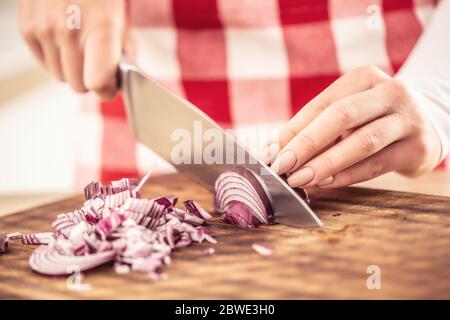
x: 244, y: 62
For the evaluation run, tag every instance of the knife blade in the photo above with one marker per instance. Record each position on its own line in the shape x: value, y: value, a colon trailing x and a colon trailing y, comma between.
x: 161, y: 120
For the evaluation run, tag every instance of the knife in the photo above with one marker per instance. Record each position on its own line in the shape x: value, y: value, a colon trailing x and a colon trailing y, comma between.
x: 160, y: 119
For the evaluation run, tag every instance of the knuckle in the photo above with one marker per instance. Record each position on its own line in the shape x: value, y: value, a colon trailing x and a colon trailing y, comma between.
x: 67, y: 34
x: 306, y: 142
x: 420, y: 164
x: 329, y: 164
x: 345, y: 177
x: 371, y: 72
x: 291, y: 130
x: 44, y: 32
x: 376, y: 166
x: 345, y: 112
x: 370, y: 69
x: 320, y: 106
x: 370, y: 141
x: 397, y: 94
x: 421, y: 147
x: 398, y: 87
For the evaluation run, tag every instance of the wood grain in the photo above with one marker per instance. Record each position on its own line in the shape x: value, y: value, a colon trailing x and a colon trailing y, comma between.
x: 406, y: 235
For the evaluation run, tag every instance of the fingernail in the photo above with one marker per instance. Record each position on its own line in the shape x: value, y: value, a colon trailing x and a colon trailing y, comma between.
x: 269, y: 153
x: 285, y: 161
x: 301, y: 177
x: 326, y: 181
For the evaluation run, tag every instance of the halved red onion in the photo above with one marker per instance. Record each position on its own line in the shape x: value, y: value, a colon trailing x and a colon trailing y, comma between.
x: 241, y: 199
x: 47, y: 260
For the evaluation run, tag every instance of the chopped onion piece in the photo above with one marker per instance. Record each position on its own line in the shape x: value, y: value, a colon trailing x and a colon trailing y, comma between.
x: 115, y: 224
x: 37, y: 238
x: 264, y: 251
x: 194, y: 208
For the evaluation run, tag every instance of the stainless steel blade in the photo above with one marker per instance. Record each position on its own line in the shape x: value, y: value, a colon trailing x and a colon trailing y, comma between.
x: 159, y: 118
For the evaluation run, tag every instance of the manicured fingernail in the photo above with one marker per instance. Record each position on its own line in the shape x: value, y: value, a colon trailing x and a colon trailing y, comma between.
x: 326, y: 181
x: 285, y: 161
x: 269, y: 153
x: 301, y: 177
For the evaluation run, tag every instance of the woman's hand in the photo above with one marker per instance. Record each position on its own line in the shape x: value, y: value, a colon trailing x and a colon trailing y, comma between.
x: 363, y: 125
x: 87, y: 57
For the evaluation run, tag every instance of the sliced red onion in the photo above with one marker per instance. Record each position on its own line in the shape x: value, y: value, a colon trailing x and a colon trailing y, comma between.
x: 109, y: 224
x: 145, y: 212
x: 115, y: 224
x: 241, y: 199
x: 262, y: 250
x: 37, y: 238
x: 239, y: 214
x: 118, y: 199
x: 194, y: 208
x: 96, y: 189
x: 167, y: 201
x: 47, y: 260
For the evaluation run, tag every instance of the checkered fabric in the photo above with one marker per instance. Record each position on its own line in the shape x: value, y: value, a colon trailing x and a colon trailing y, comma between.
x: 244, y: 62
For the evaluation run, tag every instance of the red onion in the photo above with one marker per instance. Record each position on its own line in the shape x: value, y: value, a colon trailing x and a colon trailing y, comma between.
x: 167, y: 201
x: 114, y: 224
x: 96, y: 189
x: 37, y: 238
x: 241, y: 199
x: 192, y: 207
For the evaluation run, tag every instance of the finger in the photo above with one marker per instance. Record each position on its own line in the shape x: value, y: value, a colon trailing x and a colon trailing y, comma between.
x: 35, y: 47
x: 101, y: 56
x: 389, y: 159
x: 354, y: 81
x: 343, y: 115
x: 72, y: 65
x: 52, y: 57
x: 358, y: 146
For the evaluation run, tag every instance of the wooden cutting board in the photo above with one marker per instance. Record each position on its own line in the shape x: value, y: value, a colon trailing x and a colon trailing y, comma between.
x: 406, y: 235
